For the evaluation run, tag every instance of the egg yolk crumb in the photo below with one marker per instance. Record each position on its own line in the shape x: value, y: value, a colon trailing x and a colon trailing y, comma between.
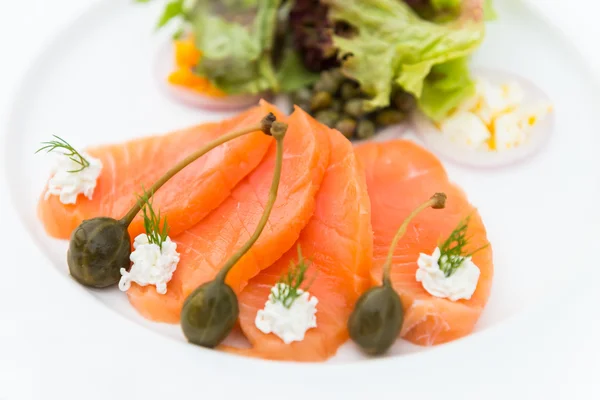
x: 187, y: 56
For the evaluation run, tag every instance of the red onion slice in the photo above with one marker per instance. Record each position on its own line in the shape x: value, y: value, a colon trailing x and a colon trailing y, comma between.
x: 165, y: 65
x: 537, y: 136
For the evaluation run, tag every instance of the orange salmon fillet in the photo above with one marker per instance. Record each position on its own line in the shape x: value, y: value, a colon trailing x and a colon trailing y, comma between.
x: 400, y: 176
x: 185, y: 199
x: 209, y: 244
x: 339, y: 241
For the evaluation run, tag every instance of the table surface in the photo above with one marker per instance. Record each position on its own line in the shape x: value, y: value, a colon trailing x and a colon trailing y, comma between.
x: 39, y: 358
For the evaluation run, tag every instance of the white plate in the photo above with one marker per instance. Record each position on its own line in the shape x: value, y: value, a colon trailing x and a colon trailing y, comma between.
x: 94, y: 83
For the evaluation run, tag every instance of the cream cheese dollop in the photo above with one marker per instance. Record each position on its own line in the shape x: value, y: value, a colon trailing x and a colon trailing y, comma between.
x: 152, y: 264
x: 289, y: 324
x: 460, y: 285
x: 67, y: 185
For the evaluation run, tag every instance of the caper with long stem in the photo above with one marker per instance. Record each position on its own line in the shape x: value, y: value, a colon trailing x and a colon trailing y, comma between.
x: 100, y: 247
x: 377, y: 318
x: 211, y: 310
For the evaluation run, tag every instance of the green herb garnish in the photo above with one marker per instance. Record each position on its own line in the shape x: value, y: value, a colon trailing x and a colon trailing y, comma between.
x: 70, y: 152
x: 452, y: 250
x: 292, y: 279
x: 152, y: 221
x: 174, y: 9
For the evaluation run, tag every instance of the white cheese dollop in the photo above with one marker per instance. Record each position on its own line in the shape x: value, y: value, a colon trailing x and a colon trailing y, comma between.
x: 460, y: 285
x: 151, y: 264
x: 290, y: 324
x: 68, y: 185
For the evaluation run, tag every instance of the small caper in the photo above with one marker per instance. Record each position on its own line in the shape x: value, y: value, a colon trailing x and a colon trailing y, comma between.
x: 337, y: 75
x: 98, y: 249
x: 328, y: 82
x: 376, y: 320
x: 346, y: 126
x: 349, y: 90
x: 337, y: 105
x: 320, y: 100
x: 365, y: 129
x: 354, y: 108
x: 209, y: 314
x: 304, y: 106
x: 404, y: 101
x: 388, y: 117
x: 327, y: 117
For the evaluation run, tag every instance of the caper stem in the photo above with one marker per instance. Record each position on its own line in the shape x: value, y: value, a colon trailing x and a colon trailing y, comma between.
x: 278, y: 132
x: 437, y: 201
x: 264, y: 125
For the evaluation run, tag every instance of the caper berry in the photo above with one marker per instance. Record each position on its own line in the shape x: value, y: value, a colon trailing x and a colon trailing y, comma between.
x: 349, y: 90
x: 388, y: 117
x: 404, y: 101
x: 377, y: 317
x: 354, y: 108
x: 320, y: 100
x: 365, y: 129
x: 209, y: 314
x: 346, y: 126
x: 98, y: 249
x: 376, y: 320
x: 327, y: 117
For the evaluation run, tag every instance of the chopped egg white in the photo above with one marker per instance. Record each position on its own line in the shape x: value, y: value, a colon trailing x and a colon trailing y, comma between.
x: 289, y: 324
x: 67, y: 184
x: 495, y: 118
x: 460, y: 285
x: 466, y: 127
x: 152, y: 265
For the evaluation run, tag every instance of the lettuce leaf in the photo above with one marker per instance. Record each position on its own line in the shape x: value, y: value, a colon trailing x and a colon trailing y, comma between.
x: 446, y: 86
x: 236, y: 39
x: 489, y: 13
x: 394, y: 47
x: 292, y: 74
x: 441, y: 5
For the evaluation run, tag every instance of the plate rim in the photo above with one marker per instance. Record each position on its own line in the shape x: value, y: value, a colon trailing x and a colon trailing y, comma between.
x: 268, y: 365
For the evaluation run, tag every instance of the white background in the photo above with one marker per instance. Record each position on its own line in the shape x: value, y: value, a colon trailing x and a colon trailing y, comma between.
x: 44, y: 357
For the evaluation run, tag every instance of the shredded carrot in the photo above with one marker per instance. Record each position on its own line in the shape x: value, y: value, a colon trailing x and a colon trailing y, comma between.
x: 187, y: 57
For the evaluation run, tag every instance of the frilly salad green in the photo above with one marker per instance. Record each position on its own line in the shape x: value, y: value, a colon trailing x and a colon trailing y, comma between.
x: 379, y: 58
x: 394, y: 48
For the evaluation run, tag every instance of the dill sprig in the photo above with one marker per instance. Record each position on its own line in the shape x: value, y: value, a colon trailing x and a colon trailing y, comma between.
x: 70, y: 152
x: 292, y: 279
x: 156, y: 233
x: 452, y: 251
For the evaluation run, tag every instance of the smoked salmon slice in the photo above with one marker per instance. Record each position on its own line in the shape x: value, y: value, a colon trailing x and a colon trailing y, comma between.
x: 400, y: 175
x: 338, y: 241
x: 185, y: 199
x: 205, y: 247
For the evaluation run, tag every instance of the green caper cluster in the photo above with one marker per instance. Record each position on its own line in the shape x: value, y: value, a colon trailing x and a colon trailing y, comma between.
x: 338, y: 102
